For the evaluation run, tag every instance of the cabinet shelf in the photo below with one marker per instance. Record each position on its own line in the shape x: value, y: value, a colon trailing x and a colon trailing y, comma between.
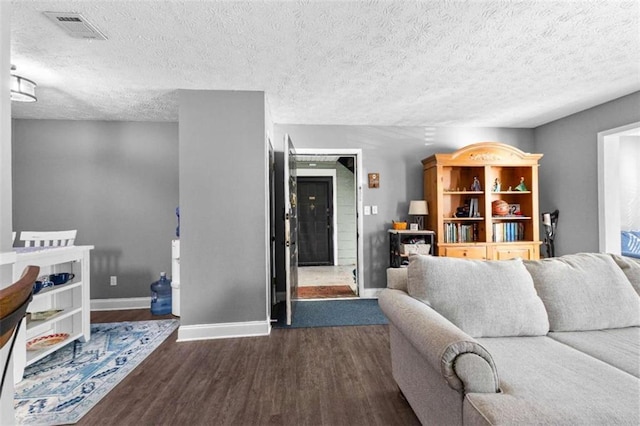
x: 511, y: 192
x: 463, y: 192
x: 463, y: 219
x: 511, y: 218
x: 33, y: 356
x: 49, y: 291
x: 34, y: 328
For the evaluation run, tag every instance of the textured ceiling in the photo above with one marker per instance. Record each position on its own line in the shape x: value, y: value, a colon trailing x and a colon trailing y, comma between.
x: 425, y: 63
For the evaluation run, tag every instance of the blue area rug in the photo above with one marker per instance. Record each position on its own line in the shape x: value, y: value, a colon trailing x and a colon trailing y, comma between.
x: 331, y: 313
x: 62, y: 387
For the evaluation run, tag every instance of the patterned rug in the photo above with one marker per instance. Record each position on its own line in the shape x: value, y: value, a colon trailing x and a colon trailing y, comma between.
x: 62, y: 387
x: 325, y: 291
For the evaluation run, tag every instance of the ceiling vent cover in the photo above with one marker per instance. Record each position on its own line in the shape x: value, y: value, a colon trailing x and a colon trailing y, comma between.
x: 76, y: 25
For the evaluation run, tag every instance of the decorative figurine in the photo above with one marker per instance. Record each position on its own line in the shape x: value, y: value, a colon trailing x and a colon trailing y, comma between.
x: 521, y: 186
x: 496, y: 185
x: 475, y: 186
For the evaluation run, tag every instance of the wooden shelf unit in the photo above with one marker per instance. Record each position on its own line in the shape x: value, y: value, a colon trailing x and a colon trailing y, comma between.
x: 447, y: 185
x: 72, y: 298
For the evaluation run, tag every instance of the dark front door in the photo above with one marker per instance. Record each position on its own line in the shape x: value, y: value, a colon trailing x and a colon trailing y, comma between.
x: 315, y: 221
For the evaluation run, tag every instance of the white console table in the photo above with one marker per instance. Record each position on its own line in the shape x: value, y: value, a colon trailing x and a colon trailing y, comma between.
x: 72, y: 298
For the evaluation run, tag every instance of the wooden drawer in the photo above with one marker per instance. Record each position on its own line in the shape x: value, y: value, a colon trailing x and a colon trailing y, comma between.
x: 505, y: 252
x: 466, y: 252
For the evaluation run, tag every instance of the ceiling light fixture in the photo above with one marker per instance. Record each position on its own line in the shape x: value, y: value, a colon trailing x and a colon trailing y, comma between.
x: 22, y: 89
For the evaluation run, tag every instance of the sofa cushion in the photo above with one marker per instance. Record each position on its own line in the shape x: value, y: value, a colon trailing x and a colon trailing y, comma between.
x: 619, y: 347
x: 482, y: 298
x: 546, y: 382
x: 397, y: 278
x: 585, y: 291
x: 631, y: 268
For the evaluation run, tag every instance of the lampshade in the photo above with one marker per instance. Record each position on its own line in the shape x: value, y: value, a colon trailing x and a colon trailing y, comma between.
x: 22, y: 89
x: 418, y: 208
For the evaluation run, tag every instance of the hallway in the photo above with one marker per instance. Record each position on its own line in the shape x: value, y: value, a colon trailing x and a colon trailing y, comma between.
x: 326, y: 282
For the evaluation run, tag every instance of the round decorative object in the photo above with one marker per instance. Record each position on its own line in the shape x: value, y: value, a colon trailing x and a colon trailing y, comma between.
x: 46, y: 341
x: 500, y: 208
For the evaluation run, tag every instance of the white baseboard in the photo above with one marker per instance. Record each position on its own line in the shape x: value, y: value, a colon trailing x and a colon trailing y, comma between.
x: 145, y: 303
x: 120, y: 304
x: 371, y: 293
x: 223, y: 331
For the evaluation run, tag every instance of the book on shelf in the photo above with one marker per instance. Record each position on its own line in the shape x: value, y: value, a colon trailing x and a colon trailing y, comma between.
x: 508, y: 232
x: 460, y: 233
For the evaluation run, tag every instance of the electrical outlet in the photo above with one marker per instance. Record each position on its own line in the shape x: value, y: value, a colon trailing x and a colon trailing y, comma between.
x: 367, y: 210
x: 374, y: 209
x: 113, y: 280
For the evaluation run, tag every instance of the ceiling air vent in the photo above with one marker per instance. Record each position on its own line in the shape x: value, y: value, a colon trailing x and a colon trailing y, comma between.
x: 76, y: 25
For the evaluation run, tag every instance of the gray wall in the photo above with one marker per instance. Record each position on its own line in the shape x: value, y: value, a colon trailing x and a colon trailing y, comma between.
x: 115, y: 182
x: 395, y: 153
x: 223, y: 196
x: 569, y: 170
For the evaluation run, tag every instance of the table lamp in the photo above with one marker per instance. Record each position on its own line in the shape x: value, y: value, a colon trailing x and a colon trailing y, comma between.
x: 418, y: 208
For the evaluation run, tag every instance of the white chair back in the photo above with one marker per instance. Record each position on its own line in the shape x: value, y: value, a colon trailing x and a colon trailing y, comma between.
x: 48, y: 239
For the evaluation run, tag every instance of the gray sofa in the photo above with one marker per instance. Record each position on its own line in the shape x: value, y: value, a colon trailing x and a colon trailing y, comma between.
x: 555, y: 341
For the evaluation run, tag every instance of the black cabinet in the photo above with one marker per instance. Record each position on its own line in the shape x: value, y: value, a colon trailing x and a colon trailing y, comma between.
x: 402, y: 243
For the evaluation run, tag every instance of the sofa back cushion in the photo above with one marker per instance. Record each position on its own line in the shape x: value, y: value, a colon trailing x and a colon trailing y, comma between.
x: 482, y: 298
x: 631, y: 268
x: 585, y: 291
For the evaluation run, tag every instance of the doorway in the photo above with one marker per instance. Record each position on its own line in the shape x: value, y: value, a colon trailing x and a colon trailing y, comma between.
x: 330, y: 266
x: 315, y: 221
x: 610, y: 185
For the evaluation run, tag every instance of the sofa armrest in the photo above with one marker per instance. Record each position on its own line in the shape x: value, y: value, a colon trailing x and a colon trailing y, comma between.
x: 462, y: 361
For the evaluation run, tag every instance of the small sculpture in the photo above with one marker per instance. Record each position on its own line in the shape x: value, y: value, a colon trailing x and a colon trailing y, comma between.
x: 521, y: 186
x: 496, y: 185
x: 475, y: 186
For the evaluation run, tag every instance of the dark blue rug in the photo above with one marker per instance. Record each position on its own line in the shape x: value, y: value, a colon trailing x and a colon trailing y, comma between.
x: 331, y: 313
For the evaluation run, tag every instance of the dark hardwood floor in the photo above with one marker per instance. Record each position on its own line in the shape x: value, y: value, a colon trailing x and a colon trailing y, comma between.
x: 303, y: 376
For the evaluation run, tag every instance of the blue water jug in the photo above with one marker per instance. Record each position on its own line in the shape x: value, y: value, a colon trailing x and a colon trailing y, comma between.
x: 161, y: 296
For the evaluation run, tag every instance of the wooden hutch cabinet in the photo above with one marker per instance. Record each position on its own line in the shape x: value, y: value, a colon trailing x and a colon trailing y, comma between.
x: 483, y: 202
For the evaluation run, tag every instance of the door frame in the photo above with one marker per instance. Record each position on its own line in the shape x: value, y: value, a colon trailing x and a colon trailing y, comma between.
x: 609, y: 185
x: 290, y: 227
x: 357, y: 154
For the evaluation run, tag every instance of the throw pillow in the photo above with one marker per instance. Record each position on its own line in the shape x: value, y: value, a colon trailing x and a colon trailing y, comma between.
x: 631, y: 268
x: 585, y: 291
x: 482, y: 298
